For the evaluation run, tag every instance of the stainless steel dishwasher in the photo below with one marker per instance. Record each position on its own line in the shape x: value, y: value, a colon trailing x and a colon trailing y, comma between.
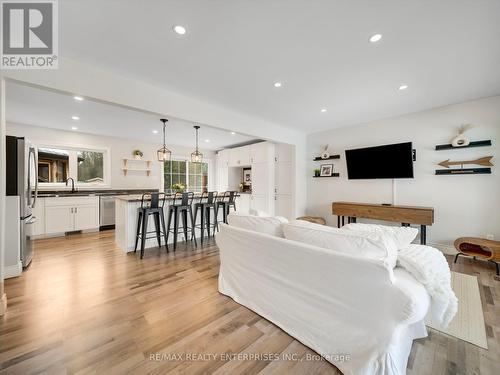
x: 107, y: 210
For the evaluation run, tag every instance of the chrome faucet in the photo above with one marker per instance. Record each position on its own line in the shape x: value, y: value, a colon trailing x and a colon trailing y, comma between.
x: 72, y: 184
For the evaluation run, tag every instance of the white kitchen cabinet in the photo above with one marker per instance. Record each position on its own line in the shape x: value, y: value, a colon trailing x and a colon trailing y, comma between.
x: 261, y: 152
x: 239, y: 156
x: 85, y: 217
x: 58, y: 219
x: 67, y: 214
x: 284, y: 178
x: 284, y: 152
x: 243, y: 203
x: 283, y: 206
x: 260, y: 178
x: 222, y: 162
x: 39, y: 213
x: 261, y: 202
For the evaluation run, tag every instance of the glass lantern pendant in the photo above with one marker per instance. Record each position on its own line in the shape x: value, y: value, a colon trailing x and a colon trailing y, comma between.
x: 196, y: 156
x: 164, y: 154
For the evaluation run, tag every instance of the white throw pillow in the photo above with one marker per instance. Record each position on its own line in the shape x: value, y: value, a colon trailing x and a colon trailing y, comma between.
x: 369, y: 245
x: 402, y: 236
x: 262, y: 224
x: 260, y: 213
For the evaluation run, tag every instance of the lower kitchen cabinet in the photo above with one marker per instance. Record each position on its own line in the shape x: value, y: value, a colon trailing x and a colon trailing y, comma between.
x: 67, y: 214
x: 260, y: 202
x: 86, y: 217
x: 243, y: 203
x: 58, y: 219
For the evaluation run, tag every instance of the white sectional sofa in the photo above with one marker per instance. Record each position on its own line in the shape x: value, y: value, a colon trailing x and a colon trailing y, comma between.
x: 359, y: 314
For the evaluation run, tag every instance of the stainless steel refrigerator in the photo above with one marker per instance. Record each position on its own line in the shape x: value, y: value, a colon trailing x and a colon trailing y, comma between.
x: 22, y: 180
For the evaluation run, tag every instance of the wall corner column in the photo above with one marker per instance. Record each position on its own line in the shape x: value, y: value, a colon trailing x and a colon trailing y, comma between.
x: 3, y: 157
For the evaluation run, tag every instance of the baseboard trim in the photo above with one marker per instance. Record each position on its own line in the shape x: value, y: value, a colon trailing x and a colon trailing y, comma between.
x: 13, y: 271
x: 444, y: 248
x: 3, y: 304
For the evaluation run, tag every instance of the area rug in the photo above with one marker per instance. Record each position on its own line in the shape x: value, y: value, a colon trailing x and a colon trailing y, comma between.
x: 468, y: 324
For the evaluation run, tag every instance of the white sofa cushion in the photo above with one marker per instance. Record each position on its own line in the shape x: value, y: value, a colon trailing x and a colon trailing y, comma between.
x: 365, y: 244
x: 402, y: 236
x: 262, y: 224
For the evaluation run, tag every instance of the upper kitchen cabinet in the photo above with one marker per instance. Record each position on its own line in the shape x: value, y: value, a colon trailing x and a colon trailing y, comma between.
x: 223, y: 157
x: 239, y: 156
x: 261, y: 152
x: 284, y: 153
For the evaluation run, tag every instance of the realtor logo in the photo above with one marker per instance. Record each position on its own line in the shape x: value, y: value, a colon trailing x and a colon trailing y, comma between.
x: 29, y: 34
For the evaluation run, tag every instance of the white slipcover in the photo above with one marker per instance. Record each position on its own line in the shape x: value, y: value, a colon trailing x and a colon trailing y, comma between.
x: 335, y: 303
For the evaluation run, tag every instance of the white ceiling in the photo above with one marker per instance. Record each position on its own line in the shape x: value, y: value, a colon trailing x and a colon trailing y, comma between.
x: 446, y: 51
x: 38, y: 107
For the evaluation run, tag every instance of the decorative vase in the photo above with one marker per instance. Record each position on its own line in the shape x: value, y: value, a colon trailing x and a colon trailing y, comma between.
x: 317, y: 173
x: 137, y: 157
x: 460, y: 141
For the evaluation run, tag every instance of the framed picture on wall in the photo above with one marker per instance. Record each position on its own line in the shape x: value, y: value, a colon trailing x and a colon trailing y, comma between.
x: 326, y: 170
x: 247, y: 176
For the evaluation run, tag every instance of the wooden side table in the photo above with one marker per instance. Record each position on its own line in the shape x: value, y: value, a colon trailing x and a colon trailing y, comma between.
x: 479, y: 247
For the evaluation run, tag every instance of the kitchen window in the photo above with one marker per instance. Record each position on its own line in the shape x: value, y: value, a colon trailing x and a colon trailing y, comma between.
x: 194, y: 176
x: 88, y: 167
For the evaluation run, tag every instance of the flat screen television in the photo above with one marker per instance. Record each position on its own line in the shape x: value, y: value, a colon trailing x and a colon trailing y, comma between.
x: 388, y: 161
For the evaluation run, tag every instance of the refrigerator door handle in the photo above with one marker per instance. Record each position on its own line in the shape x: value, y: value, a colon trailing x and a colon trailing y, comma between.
x: 32, y: 152
x: 36, y: 176
x: 32, y: 220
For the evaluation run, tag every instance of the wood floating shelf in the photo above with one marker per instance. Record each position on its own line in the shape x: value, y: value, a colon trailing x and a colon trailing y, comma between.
x: 331, y: 157
x: 472, y: 144
x: 126, y: 167
x: 125, y: 170
x: 333, y: 175
x: 463, y: 171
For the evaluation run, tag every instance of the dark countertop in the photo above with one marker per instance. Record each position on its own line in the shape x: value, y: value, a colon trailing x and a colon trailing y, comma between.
x: 86, y: 193
x: 138, y: 197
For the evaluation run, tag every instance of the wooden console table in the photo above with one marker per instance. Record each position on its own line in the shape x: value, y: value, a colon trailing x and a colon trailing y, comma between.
x: 405, y: 215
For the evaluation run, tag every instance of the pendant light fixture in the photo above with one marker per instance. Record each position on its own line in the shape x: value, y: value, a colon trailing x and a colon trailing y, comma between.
x: 196, y: 156
x: 164, y: 153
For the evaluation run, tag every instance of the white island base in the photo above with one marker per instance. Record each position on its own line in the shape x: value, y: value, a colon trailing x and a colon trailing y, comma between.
x: 126, y: 214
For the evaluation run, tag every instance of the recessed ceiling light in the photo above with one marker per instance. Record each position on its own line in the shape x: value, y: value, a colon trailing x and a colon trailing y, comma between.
x: 323, y: 110
x: 233, y: 133
x: 181, y: 30
x: 155, y: 131
x: 375, y: 38
x: 207, y: 140
x: 277, y: 84
x: 403, y: 87
x: 74, y: 128
x: 75, y: 118
x: 78, y: 98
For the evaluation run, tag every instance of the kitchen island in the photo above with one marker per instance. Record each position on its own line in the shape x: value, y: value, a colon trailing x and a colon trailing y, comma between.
x: 126, y: 214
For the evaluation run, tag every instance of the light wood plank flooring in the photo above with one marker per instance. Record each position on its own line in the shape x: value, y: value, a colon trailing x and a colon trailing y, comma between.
x: 86, y: 307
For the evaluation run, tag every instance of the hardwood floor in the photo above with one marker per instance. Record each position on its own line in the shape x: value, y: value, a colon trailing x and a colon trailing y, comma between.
x: 86, y: 307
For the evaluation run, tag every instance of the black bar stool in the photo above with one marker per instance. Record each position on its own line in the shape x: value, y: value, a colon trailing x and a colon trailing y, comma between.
x: 155, y: 208
x: 227, y: 201
x: 185, y: 209
x: 205, y: 205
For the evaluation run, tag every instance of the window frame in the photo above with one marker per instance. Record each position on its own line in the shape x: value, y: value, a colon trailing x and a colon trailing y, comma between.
x: 187, y: 161
x: 73, y: 150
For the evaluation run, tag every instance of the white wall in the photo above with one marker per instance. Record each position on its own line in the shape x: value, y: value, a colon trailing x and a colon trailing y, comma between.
x: 465, y: 205
x: 119, y: 149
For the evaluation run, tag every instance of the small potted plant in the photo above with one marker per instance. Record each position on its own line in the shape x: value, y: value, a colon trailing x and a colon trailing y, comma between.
x: 137, y: 154
x: 179, y: 188
x: 317, y: 172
